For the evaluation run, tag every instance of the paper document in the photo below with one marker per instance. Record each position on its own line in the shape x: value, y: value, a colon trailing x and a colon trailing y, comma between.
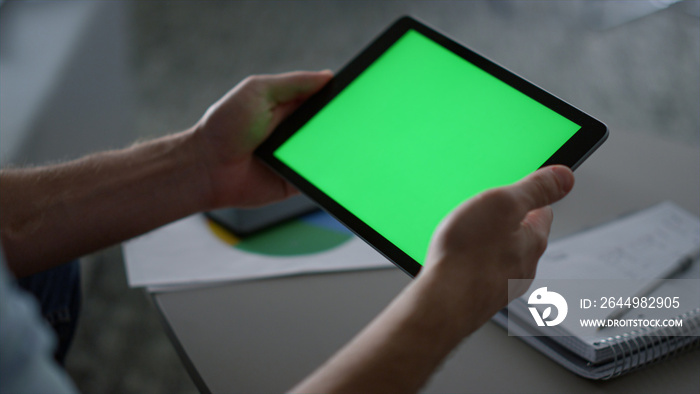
x: 194, y: 251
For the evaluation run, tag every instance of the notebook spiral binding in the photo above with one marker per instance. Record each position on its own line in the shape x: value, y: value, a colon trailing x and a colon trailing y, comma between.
x: 643, y: 347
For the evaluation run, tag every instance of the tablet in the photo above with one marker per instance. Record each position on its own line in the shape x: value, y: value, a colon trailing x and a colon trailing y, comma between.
x: 412, y: 127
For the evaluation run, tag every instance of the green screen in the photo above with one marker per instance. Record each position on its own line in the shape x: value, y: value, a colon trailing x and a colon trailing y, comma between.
x: 416, y: 134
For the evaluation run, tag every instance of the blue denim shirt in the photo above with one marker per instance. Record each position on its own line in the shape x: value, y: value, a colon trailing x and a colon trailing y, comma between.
x: 26, y: 344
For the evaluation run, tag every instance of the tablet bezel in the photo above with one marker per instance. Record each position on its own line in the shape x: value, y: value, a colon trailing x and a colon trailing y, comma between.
x: 581, y: 145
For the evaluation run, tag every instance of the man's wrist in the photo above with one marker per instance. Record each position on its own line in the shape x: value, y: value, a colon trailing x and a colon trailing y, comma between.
x: 456, y: 297
x: 191, y: 156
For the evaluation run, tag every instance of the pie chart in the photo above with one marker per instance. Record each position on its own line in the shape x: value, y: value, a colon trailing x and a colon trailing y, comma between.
x: 312, y: 233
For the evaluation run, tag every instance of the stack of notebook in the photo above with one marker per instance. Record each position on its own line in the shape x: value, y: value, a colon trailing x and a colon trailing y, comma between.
x: 624, y: 257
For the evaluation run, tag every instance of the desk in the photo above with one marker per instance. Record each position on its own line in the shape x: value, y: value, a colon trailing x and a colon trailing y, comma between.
x: 266, y: 335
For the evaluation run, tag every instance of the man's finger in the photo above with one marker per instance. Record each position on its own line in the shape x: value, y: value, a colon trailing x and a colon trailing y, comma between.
x: 543, y: 187
x: 297, y: 85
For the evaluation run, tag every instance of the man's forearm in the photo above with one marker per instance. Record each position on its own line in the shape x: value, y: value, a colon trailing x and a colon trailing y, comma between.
x: 401, y: 348
x: 52, y: 214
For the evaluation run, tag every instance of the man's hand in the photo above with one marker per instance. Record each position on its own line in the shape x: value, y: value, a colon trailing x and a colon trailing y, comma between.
x: 235, y: 125
x: 498, y: 235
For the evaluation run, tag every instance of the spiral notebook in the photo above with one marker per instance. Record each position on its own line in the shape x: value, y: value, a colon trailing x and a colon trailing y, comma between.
x: 640, y: 246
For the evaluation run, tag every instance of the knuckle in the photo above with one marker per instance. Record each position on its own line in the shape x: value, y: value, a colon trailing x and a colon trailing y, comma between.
x: 253, y: 81
x: 505, y: 205
x: 500, y: 200
x: 543, y: 187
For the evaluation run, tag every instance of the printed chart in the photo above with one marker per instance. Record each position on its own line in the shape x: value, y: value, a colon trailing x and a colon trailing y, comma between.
x: 312, y: 233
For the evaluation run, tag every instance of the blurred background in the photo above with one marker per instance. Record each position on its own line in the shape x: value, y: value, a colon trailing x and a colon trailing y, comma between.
x: 79, y: 76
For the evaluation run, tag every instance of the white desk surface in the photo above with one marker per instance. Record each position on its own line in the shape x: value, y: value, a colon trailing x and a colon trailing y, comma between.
x: 266, y: 335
